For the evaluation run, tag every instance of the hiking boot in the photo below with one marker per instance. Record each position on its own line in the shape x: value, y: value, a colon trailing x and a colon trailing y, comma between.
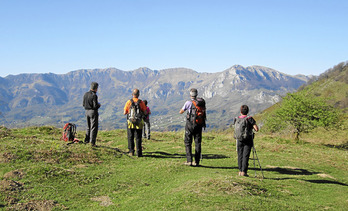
x: 244, y: 174
x: 188, y: 163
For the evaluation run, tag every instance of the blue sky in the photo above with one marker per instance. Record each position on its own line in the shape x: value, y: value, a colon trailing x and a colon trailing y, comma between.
x: 291, y: 36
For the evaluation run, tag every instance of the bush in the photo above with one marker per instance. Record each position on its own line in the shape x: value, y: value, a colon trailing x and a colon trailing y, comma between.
x: 303, y: 113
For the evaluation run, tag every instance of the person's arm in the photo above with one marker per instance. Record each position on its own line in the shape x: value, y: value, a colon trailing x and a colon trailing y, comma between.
x: 253, y: 123
x: 255, y: 127
x: 185, y: 107
x: 96, y: 105
x: 126, y: 107
x: 83, y: 102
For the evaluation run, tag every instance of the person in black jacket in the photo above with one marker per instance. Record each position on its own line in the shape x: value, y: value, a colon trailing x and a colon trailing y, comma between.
x: 244, y: 144
x: 91, y: 105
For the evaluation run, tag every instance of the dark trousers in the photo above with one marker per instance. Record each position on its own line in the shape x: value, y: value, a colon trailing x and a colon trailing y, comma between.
x: 244, y: 149
x: 135, y: 133
x: 92, y: 126
x: 190, y: 134
x: 146, y: 129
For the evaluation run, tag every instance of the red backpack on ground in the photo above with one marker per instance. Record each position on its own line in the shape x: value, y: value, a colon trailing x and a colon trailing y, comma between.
x: 69, y: 133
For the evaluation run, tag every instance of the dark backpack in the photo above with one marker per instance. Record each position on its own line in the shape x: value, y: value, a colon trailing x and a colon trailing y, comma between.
x: 135, y: 115
x: 69, y: 132
x: 198, y: 112
x: 241, y: 129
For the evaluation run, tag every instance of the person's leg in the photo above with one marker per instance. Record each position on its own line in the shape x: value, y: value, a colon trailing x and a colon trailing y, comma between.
x: 148, y: 130
x: 198, y: 144
x: 88, y: 130
x: 240, y: 148
x: 144, y: 131
x: 246, y: 155
x: 131, y: 140
x: 138, y: 134
x: 188, y: 143
x: 94, y: 127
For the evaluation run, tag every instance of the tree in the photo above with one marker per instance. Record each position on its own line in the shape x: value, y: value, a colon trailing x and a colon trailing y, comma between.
x: 303, y: 113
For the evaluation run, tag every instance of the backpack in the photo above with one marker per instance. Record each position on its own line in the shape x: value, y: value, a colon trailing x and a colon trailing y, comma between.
x: 69, y: 132
x: 135, y: 115
x: 198, y: 112
x: 145, y: 116
x: 241, y: 130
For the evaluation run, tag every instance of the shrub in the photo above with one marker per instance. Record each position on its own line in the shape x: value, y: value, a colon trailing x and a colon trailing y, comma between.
x: 303, y: 113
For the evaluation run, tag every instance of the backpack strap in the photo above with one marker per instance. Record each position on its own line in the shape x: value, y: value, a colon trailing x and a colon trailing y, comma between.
x: 132, y: 103
x: 191, y: 108
x: 248, y: 124
x: 194, y: 103
x: 135, y: 103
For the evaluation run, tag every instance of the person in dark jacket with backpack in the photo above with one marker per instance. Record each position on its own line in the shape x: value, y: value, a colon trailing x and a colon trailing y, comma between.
x: 243, y: 133
x: 193, y: 127
x: 91, y: 105
x: 135, y: 109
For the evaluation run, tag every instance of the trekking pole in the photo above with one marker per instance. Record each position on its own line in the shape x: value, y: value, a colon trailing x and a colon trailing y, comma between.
x: 254, y: 151
x: 201, y: 155
x: 254, y: 159
x: 254, y: 154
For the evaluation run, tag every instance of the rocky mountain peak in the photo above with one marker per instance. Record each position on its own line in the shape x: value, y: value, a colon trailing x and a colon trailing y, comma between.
x: 56, y: 98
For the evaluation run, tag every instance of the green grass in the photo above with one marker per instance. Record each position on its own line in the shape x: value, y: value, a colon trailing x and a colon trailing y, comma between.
x: 37, y: 170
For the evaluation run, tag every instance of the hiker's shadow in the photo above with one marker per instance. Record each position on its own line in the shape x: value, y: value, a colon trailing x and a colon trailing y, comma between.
x: 343, y: 146
x: 117, y: 152
x: 298, y: 171
x: 289, y: 171
x: 219, y: 167
x: 161, y: 154
x: 326, y: 182
x: 284, y: 171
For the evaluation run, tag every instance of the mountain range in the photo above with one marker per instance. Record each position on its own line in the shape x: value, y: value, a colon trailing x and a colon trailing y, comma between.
x: 54, y: 99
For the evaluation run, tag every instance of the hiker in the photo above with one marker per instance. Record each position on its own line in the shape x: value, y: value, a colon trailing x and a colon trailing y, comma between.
x: 135, y: 109
x: 243, y: 133
x: 91, y: 105
x: 146, y: 129
x: 194, y: 126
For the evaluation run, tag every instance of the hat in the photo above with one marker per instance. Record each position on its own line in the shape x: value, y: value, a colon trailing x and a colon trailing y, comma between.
x: 193, y: 92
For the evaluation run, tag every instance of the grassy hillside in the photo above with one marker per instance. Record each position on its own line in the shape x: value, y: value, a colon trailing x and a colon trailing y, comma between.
x: 332, y: 85
x: 39, y: 171
x: 332, y: 88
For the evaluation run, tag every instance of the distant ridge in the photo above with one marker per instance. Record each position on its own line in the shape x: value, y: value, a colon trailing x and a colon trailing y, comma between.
x: 53, y: 99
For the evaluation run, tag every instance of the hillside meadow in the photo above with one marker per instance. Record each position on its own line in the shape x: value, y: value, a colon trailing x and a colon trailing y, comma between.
x: 40, y: 172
